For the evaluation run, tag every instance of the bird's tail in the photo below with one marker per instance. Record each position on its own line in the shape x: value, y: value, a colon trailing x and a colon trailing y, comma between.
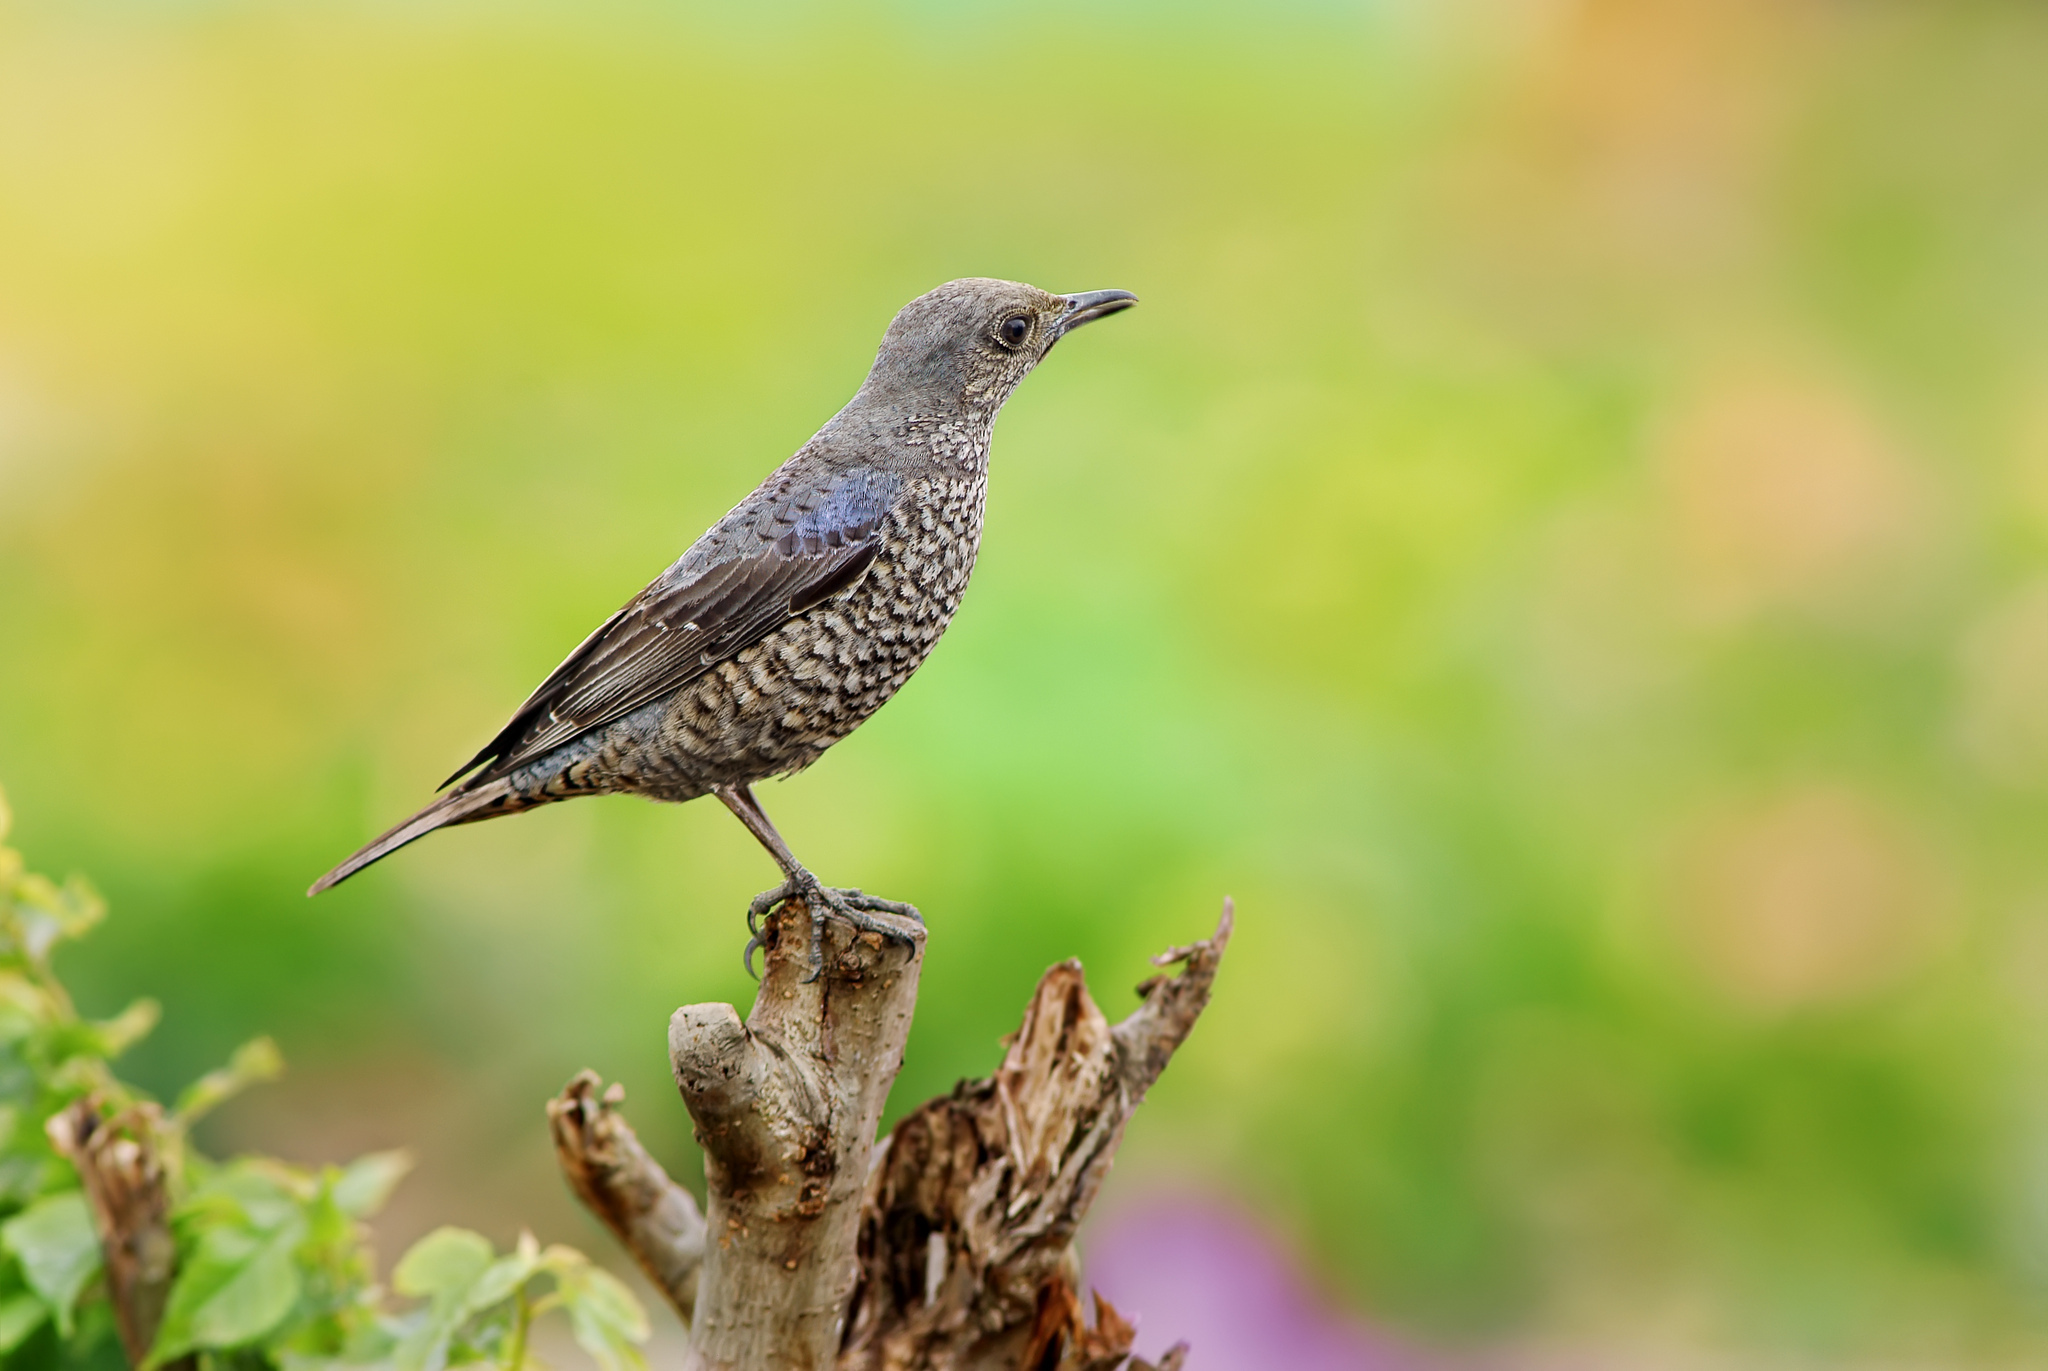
x: 457, y: 807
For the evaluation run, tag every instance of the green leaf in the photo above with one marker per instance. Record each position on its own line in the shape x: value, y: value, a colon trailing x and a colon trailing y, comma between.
x: 367, y: 1182
x: 330, y: 1234
x: 24, y: 1007
x: 21, y: 1178
x: 20, y: 1315
x: 254, y: 1062
x: 456, y: 1270
x: 237, y: 1287
x: 425, y: 1346
x: 607, y: 1321
x: 445, y: 1262
x: 498, y: 1281
x: 58, y: 1249
x: 50, y: 912
x: 124, y: 1030
x: 253, y: 1300
x: 253, y: 1191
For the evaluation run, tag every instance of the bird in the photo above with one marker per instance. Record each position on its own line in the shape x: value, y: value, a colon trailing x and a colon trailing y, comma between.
x: 797, y: 615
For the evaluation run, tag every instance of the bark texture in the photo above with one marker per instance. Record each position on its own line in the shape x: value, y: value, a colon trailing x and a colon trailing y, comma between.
x: 121, y: 1165
x: 947, y: 1246
x: 966, y: 1240
x: 785, y: 1106
x: 656, y: 1220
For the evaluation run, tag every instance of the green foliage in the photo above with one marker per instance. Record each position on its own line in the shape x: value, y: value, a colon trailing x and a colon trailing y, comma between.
x: 479, y: 1306
x: 274, y: 1265
x: 54, y: 1242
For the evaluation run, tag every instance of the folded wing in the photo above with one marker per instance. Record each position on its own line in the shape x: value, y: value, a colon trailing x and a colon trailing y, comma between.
x: 682, y: 625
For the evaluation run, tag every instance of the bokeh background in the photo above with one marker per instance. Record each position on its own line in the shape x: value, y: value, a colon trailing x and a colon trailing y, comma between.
x: 1562, y: 542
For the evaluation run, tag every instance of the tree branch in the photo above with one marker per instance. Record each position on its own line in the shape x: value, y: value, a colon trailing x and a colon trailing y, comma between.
x: 656, y: 1220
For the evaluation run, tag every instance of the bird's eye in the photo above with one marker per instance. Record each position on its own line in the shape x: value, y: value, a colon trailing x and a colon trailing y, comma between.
x: 1014, y: 330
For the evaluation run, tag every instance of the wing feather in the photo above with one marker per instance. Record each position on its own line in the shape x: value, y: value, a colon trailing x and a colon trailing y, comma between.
x: 688, y: 621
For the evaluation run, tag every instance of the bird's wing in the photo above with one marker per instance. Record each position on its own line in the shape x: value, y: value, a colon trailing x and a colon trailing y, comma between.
x: 804, y: 550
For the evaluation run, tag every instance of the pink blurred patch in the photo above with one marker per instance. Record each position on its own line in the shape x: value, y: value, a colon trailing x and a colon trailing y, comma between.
x: 1186, y: 1268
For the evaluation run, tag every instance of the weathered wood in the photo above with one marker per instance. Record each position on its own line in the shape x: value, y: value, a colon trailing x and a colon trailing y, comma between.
x: 120, y: 1163
x: 656, y: 1220
x: 786, y: 1106
x: 948, y: 1247
x: 966, y: 1242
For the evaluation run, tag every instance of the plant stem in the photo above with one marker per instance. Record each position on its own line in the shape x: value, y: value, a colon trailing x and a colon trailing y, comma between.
x: 515, y: 1357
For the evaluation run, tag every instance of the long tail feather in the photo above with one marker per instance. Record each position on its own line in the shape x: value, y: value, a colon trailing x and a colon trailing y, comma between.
x: 459, y: 807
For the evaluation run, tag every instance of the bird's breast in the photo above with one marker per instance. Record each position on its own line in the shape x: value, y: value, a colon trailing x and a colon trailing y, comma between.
x: 780, y: 703
x: 929, y: 542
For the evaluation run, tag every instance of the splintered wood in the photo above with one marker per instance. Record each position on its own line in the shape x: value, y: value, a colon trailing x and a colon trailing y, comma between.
x: 966, y: 1242
x: 962, y: 1257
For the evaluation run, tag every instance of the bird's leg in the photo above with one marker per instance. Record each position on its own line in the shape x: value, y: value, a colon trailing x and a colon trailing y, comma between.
x: 850, y: 904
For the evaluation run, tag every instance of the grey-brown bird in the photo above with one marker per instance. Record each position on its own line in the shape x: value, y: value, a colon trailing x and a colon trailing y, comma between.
x: 799, y: 613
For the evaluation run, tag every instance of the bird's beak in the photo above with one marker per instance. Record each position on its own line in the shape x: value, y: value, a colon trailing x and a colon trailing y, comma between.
x: 1091, y: 305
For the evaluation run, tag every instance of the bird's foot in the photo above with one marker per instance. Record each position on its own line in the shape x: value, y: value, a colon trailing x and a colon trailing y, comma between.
x: 849, y: 903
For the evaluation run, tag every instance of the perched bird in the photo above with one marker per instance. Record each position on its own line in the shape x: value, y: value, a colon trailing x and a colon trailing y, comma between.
x: 798, y: 613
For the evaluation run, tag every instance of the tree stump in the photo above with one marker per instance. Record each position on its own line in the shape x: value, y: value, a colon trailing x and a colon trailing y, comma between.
x: 948, y: 1245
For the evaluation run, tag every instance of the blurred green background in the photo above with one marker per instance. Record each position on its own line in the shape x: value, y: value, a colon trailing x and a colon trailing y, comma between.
x: 1562, y: 542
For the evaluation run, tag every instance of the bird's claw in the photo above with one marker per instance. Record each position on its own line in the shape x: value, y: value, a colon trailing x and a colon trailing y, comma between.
x: 850, y: 903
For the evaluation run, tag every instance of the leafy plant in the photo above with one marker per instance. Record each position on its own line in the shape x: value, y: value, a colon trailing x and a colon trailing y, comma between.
x: 273, y: 1266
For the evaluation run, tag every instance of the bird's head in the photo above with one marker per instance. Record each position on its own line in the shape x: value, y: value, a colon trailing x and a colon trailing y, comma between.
x: 970, y: 342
